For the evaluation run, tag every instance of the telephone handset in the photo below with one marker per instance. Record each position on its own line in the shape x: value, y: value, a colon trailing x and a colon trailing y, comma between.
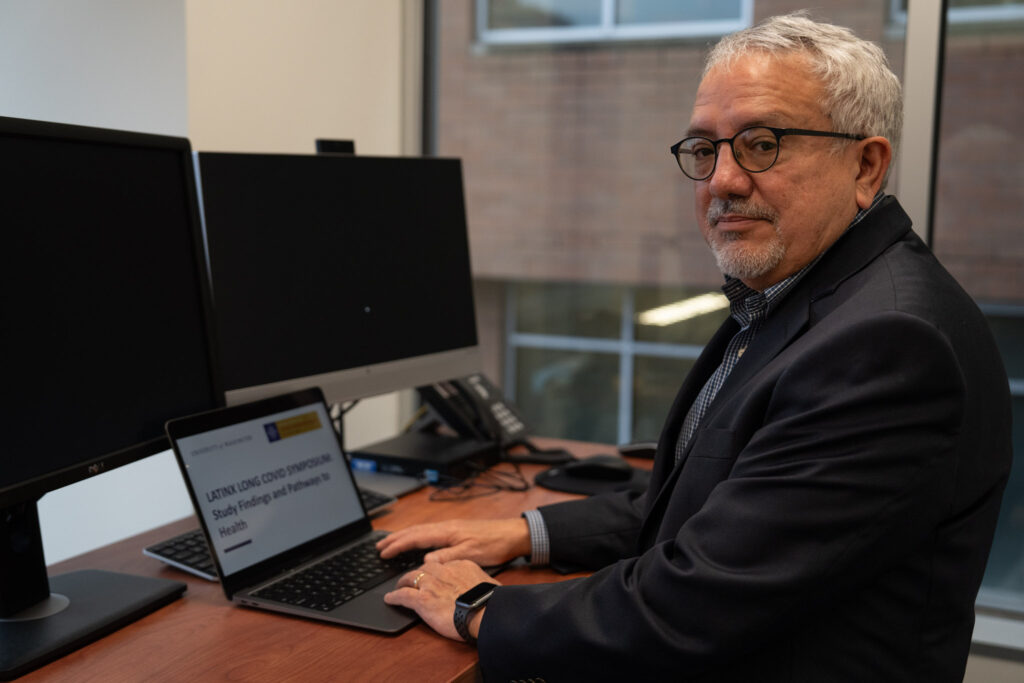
x: 474, y: 408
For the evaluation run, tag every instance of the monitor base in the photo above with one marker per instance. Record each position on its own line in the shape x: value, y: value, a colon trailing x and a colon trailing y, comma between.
x: 88, y: 605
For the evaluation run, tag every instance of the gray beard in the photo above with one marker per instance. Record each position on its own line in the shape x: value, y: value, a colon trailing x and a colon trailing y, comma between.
x: 734, y: 256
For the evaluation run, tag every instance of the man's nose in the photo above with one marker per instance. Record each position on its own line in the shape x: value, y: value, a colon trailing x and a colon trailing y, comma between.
x: 730, y: 179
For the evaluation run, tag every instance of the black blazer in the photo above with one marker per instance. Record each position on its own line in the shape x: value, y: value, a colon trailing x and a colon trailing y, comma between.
x: 831, y: 517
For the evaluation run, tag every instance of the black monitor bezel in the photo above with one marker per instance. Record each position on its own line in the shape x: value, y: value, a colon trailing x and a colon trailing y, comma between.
x: 31, y: 490
x: 354, y: 382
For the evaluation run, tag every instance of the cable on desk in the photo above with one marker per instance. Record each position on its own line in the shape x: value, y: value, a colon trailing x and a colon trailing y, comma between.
x: 541, y: 456
x: 483, y: 482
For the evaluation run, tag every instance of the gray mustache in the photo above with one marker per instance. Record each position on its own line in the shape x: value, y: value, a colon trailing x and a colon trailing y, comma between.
x: 742, y: 207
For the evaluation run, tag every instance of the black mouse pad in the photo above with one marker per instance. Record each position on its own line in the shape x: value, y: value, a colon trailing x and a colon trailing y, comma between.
x: 556, y: 479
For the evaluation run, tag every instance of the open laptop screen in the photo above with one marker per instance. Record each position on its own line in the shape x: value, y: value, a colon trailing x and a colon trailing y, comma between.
x: 269, y: 484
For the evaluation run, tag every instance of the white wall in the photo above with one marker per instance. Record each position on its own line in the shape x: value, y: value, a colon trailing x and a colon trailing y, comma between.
x: 272, y: 76
x: 249, y: 75
x: 108, y: 63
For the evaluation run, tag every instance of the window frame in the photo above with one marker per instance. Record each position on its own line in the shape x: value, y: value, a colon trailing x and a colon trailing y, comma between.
x: 608, y: 30
x: 996, y: 630
x: 981, y: 14
x: 625, y: 346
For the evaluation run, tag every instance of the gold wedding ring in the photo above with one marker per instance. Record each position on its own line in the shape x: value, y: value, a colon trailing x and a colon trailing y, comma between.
x: 416, y: 581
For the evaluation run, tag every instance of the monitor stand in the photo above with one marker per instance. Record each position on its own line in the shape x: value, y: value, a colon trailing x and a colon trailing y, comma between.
x: 74, y: 608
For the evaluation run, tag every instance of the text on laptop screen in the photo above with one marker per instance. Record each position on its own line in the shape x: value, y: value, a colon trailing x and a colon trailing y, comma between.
x: 270, y: 484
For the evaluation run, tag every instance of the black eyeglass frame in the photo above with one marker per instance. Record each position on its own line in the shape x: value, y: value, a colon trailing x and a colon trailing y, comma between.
x: 778, y: 132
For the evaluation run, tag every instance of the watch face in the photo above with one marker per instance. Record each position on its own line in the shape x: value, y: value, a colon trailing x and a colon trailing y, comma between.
x: 475, y: 594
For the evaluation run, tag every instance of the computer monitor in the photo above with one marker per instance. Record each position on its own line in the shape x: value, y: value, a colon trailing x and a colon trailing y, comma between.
x: 104, y: 337
x: 351, y: 273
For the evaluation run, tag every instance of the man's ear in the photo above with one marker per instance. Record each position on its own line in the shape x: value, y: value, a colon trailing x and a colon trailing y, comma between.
x: 875, y: 157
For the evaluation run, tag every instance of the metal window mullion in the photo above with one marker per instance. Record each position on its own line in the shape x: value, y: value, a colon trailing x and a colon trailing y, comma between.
x: 608, y: 29
x: 663, y: 350
x: 993, y: 13
x: 565, y: 343
x: 510, y: 347
x: 597, y: 34
x: 608, y: 15
x: 483, y: 12
x: 568, y: 343
x: 922, y: 73
x: 626, y: 369
x: 1001, y: 310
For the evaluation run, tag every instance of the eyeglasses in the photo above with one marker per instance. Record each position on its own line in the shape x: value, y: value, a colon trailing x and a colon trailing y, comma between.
x: 755, y: 149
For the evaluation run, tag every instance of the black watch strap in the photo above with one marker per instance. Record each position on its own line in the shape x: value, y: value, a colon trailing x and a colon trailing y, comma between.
x: 468, y: 603
x: 462, y: 623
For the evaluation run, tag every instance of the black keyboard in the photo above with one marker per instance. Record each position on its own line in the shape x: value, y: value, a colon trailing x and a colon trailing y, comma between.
x: 338, y: 578
x: 189, y: 552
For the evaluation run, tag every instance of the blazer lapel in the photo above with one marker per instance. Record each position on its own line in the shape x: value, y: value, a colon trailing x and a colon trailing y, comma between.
x: 708, y: 361
x: 886, y: 225
x: 775, y: 334
x: 664, y: 472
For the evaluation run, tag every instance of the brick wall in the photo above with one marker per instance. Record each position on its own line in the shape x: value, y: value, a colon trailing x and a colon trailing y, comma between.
x: 569, y: 177
x: 979, y: 203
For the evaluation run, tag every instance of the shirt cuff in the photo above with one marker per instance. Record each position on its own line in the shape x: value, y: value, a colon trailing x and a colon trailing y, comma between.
x: 540, y: 542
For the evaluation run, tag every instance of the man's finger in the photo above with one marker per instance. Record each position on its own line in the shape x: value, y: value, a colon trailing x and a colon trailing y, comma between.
x: 406, y: 596
x: 400, y: 542
x: 442, y: 555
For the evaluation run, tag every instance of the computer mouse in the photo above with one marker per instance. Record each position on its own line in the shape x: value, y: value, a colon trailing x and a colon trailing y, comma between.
x: 606, y: 467
x: 639, y: 449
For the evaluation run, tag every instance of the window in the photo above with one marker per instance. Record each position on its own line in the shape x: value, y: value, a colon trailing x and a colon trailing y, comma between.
x: 519, y: 22
x: 979, y: 197
x: 603, y: 363
x: 969, y: 11
x: 578, y: 211
x: 1003, y: 585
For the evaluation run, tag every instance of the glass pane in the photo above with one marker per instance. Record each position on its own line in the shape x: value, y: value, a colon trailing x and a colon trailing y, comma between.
x: 570, y: 309
x: 655, y: 383
x: 1009, y: 334
x: 676, y: 315
x: 982, y: 3
x: 568, y: 176
x: 568, y: 394
x: 972, y: 3
x: 655, y: 11
x: 977, y: 235
x: 542, y: 13
x: 1003, y: 585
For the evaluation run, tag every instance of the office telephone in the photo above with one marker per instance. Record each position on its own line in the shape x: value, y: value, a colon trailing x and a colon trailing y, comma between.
x: 475, y: 409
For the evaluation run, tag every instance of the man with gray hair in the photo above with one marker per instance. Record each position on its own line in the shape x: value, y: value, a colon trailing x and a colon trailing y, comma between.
x: 827, y: 483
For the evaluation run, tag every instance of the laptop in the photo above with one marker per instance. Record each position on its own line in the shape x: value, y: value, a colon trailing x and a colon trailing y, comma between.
x: 275, y: 496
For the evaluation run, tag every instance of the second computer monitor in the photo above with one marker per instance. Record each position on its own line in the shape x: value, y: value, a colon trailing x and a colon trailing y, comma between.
x: 349, y: 273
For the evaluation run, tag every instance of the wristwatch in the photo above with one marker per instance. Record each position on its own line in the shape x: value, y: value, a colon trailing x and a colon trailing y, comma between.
x: 469, y: 602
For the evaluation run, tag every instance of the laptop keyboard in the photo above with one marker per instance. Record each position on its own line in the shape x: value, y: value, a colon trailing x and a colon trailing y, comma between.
x: 186, y: 551
x: 189, y: 552
x: 338, y: 578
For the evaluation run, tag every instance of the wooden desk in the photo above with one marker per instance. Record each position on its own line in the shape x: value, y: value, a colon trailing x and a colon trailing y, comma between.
x: 203, y: 637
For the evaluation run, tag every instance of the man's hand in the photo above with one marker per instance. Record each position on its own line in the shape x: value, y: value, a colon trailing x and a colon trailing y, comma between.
x: 431, y: 591
x: 486, y: 542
